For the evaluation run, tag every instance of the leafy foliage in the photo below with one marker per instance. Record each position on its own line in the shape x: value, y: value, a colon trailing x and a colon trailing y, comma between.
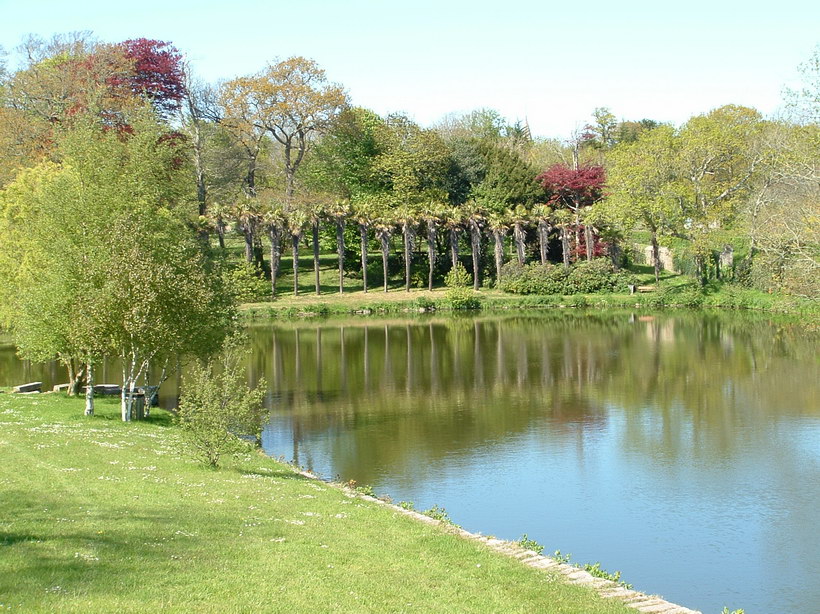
x: 157, y: 73
x: 217, y: 409
x: 585, y: 277
x: 245, y: 283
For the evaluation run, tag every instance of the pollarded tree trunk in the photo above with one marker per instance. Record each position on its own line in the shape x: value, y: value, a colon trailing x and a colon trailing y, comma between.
x: 498, y: 239
x: 275, y: 234
x: 519, y: 236
x: 385, y: 243
x: 247, y: 230
x: 315, y: 240
x: 565, y: 245
x: 295, y: 249
x: 409, y: 234
x: 340, y: 251
x: 454, y: 245
x: 363, y: 236
x: 543, y: 239
x: 431, y: 252
x: 258, y: 256
x: 475, y: 246
x: 577, y: 233
x: 89, y: 390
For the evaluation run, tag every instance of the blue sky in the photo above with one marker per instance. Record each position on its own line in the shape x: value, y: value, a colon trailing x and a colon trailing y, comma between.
x: 550, y: 63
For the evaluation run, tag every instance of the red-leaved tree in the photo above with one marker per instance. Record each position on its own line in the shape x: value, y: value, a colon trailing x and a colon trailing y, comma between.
x: 573, y: 190
x: 157, y: 73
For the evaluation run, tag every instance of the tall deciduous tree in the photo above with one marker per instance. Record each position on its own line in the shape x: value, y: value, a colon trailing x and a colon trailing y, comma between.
x: 642, y: 176
x: 292, y: 101
x: 717, y: 163
x: 412, y: 163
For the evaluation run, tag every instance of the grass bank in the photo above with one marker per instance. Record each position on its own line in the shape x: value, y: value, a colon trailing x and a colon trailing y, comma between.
x: 674, y: 291
x: 104, y: 516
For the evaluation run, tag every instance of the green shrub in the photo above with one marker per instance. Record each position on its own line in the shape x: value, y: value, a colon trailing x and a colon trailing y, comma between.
x: 458, y: 277
x: 424, y: 302
x: 462, y: 298
x: 217, y: 410
x: 586, y: 277
x: 246, y: 283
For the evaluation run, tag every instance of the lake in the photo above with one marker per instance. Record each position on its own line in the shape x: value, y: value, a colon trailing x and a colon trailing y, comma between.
x: 681, y: 449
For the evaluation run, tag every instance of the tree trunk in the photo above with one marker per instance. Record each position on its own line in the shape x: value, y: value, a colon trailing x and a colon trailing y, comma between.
x: 295, y: 248
x: 385, y: 254
x: 247, y: 230
x: 656, y: 256
x: 543, y: 239
x: 363, y: 235
x: 700, y: 269
x: 565, y: 246
x: 475, y: 246
x: 519, y: 236
x: 454, y: 245
x: 408, y: 233
x: 315, y: 240
x: 247, y: 225
x: 431, y: 252
x: 75, y: 376
x: 201, y: 186
x: 220, y: 233
x: 275, y: 256
x: 89, y: 390
x: 340, y: 251
x: 498, y: 239
x: 258, y: 256
x: 577, y: 234
x: 590, y: 241
x: 615, y: 254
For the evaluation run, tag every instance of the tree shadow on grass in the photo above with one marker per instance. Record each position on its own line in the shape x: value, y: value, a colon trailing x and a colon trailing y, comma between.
x: 283, y: 474
x: 59, y: 550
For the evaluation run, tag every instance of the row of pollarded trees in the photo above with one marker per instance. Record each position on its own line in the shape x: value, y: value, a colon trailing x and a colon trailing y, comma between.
x: 390, y: 177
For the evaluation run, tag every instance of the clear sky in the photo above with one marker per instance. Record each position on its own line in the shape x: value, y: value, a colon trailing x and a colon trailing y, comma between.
x: 548, y: 62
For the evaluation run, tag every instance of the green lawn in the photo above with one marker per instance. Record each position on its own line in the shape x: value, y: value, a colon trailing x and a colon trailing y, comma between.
x: 101, y: 516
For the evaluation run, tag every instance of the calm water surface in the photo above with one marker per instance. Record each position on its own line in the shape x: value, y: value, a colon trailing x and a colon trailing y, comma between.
x: 682, y: 450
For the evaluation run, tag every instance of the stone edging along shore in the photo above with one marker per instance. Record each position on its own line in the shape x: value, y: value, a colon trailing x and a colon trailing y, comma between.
x: 650, y: 604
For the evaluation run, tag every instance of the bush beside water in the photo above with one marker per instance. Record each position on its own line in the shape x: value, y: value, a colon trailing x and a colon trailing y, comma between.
x: 585, y: 277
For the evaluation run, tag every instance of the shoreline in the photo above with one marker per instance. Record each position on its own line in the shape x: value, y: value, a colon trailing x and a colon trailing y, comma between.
x: 183, y: 538
x: 608, y: 589
x: 358, y: 303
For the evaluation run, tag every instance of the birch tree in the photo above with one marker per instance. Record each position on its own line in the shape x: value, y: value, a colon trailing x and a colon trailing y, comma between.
x: 100, y: 259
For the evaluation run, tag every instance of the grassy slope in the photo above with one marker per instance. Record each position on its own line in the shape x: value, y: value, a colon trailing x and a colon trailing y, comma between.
x: 101, y: 516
